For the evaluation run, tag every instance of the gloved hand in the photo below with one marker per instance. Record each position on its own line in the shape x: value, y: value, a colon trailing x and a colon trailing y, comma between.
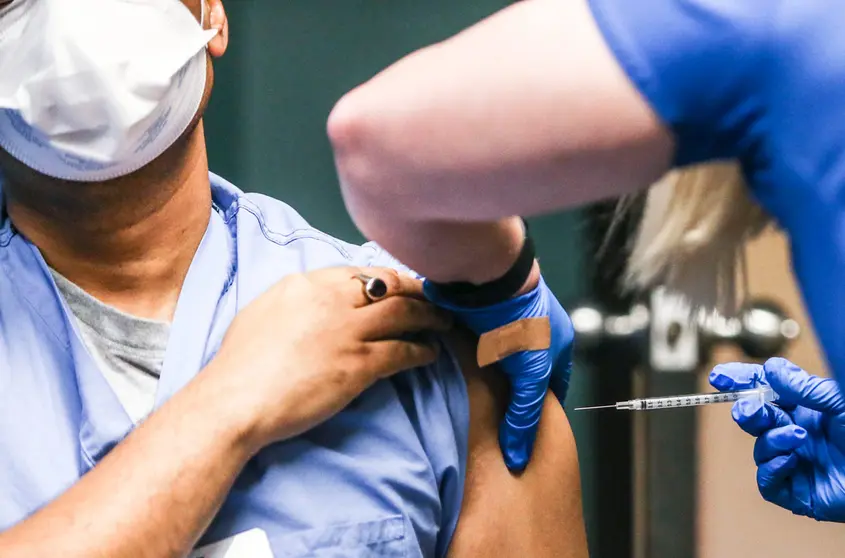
x: 800, y: 448
x: 530, y: 373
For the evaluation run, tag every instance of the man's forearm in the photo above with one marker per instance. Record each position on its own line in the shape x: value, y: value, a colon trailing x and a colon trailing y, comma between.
x: 152, y: 496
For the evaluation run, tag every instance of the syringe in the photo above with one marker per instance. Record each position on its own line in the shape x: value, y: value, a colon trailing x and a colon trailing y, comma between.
x: 764, y: 393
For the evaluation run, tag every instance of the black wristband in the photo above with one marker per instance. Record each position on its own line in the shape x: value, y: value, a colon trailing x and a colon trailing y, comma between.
x: 470, y: 295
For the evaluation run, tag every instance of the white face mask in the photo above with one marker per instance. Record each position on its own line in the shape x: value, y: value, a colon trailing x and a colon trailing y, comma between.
x: 95, y: 89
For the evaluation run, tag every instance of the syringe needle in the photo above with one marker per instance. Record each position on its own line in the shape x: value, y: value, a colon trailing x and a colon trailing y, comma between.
x: 592, y: 408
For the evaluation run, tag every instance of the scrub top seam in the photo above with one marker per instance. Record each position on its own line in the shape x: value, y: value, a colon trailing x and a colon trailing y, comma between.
x: 292, y: 236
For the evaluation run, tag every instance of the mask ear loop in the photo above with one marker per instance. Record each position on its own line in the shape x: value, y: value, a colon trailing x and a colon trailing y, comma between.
x: 203, y: 3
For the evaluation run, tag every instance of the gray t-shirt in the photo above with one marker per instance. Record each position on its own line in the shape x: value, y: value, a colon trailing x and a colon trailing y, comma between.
x: 128, y: 350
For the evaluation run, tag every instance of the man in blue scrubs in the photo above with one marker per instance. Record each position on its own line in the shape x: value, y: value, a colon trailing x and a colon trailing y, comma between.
x: 124, y: 269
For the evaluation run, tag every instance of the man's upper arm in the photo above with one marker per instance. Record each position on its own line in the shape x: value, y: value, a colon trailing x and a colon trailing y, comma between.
x: 537, y: 513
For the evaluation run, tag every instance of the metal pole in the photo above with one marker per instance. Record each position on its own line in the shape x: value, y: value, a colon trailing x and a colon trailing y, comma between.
x: 614, y: 366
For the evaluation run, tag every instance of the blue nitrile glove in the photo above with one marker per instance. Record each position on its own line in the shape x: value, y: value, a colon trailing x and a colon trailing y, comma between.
x: 531, y: 373
x: 800, y: 449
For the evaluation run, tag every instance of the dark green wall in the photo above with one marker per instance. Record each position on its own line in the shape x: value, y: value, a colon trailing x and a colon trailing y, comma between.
x: 289, y: 61
x: 288, y: 64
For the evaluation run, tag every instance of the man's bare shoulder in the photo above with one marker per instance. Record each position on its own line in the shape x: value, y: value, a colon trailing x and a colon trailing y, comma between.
x: 537, y: 513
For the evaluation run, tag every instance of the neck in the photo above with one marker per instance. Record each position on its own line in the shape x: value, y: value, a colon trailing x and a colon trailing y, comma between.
x: 128, y: 242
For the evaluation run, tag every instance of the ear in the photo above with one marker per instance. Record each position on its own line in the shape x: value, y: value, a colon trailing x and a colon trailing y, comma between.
x: 217, y: 20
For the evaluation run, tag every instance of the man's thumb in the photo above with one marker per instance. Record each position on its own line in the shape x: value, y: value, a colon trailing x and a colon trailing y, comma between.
x: 794, y: 386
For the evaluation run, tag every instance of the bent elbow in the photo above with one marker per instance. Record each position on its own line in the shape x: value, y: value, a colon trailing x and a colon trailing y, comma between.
x: 345, y: 129
x: 344, y: 124
x: 370, y: 174
x: 350, y: 132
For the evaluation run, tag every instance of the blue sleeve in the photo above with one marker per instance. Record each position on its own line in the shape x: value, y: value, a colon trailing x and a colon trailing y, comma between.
x: 436, y: 401
x: 701, y: 64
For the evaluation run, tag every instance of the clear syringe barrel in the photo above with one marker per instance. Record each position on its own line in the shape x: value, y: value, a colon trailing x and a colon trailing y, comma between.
x: 764, y: 393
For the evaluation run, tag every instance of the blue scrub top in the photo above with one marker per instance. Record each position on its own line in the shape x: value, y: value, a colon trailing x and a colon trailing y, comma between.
x: 762, y: 81
x: 383, y: 477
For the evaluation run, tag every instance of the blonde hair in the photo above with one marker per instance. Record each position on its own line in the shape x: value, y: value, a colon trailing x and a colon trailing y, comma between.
x: 693, y: 233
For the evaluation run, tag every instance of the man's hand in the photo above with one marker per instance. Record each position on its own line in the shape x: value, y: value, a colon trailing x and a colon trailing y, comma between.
x: 294, y: 357
x: 800, y: 448
x: 311, y: 344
